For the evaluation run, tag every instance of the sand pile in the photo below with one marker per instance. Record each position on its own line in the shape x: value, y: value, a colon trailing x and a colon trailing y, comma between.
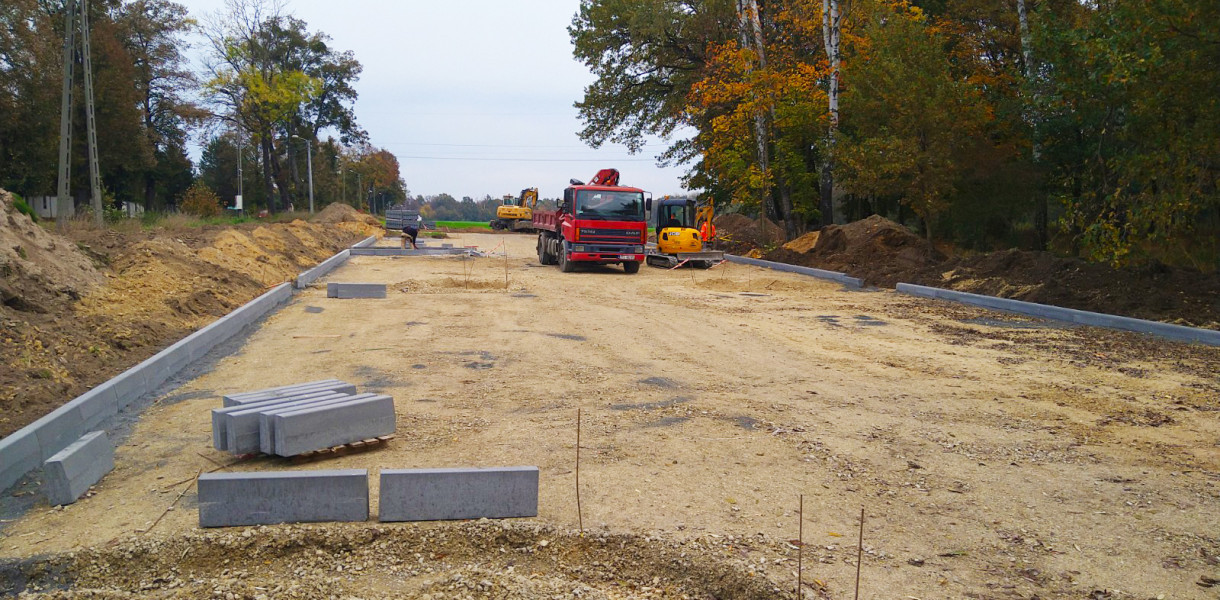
x: 803, y: 244
x: 38, y: 268
x: 342, y: 213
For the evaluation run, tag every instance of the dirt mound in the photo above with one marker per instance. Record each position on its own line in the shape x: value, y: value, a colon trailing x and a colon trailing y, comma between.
x: 338, y: 212
x: 39, y: 270
x: 739, y: 234
x: 150, y: 288
x: 480, y: 559
x: 804, y: 243
x: 875, y: 249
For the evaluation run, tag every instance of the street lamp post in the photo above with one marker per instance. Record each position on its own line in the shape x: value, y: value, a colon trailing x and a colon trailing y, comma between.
x: 309, y: 166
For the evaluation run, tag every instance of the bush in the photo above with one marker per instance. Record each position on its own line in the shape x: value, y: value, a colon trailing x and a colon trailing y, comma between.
x: 200, y: 201
x: 24, y: 208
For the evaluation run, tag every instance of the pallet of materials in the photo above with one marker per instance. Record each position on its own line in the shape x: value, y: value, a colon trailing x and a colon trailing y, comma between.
x: 294, y: 420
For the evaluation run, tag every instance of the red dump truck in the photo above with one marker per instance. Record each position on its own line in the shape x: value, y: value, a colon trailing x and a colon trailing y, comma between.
x: 599, y: 222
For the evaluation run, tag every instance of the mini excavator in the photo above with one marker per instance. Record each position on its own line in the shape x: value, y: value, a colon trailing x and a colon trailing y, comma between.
x: 680, y: 225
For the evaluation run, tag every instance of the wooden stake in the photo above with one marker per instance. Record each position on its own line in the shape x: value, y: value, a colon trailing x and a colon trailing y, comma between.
x: 800, y: 545
x: 506, y: 268
x: 580, y: 518
x: 859, y: 552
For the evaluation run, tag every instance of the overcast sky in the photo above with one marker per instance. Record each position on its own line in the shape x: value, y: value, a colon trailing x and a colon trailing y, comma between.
x: 474, y: 97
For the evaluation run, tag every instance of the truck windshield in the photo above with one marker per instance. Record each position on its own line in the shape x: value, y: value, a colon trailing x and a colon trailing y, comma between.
x: 610, y: 206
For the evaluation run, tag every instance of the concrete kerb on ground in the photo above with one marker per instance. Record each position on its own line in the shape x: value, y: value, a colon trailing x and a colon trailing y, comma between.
x: 835, y: 276
x: 26, y: 449
x: 1070, y: 315
x: 423, y: 251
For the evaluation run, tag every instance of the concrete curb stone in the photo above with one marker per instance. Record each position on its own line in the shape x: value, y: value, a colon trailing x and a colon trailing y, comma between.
x: 267, y: 498
x: 1081, y: 317
x: 71, y: 471
x: 852, y: 282
x: 463, y: 493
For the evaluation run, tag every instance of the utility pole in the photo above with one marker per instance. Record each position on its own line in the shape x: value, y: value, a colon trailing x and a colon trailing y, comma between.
x: 77, y: 17
x: 240, y: 177
x: 309, y: 166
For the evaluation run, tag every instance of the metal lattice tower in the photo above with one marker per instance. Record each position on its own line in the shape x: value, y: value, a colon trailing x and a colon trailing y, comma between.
x: 76, y: 17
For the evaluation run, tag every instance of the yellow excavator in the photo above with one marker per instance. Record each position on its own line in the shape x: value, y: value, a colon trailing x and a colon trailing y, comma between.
x: 516, y: 214
x: 681, y: 224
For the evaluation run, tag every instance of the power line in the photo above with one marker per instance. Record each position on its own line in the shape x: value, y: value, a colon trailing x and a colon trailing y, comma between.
x: 499, y: 145
x: 485, y: 159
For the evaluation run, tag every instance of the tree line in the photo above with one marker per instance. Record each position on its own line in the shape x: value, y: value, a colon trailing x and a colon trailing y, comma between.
x: 1092, y: 128
x: 272, y: 94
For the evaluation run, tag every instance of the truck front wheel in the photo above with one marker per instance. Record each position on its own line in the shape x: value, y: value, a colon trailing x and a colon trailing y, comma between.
x: 631, y: 267
x: 565, y: 265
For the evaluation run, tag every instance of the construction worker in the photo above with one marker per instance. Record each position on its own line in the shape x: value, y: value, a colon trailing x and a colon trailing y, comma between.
x: 707, y: 231
x: 410, y: 230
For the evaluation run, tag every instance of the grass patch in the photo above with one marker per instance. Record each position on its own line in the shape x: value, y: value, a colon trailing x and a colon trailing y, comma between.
x: 463, y: 224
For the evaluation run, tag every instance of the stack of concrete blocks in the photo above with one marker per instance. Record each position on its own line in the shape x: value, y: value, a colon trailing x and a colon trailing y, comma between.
x: 71, y: 471
x: 396, y: 217
x: 266, y: 498
x: 336, y: 289
x: 292, y: 420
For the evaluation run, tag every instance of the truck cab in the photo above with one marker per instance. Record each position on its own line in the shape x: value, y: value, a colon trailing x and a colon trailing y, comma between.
x: 599, y: 222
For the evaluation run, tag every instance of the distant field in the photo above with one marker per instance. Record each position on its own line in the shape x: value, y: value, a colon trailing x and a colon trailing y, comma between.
x: 463, y: 224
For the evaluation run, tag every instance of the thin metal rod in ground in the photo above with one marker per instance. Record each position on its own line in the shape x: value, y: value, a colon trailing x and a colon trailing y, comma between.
x: 506, y: 268
x: 859, y: 552
x: 580, y: 518
x: 175, y: 502
x: 800, y: 544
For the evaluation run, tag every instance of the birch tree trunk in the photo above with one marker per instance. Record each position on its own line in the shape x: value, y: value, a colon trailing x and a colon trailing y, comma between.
x: 832, y: 24
x: 1041, y: 210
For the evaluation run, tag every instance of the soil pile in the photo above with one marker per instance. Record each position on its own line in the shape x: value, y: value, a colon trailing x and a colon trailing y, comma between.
x: 338, y: 212
x: 739, y: 234
x: 338, y: 560
x: 803, y: 244
x: 38, y: 269
x: 875, y: 249
x: 83, y: 308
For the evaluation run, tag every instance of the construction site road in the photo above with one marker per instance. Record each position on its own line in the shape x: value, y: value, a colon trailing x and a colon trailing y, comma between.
x: 993, y: 455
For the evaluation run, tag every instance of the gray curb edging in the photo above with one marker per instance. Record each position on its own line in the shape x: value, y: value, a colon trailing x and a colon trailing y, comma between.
x: 28, y: 447
x: 304, y: 279
x: 423, y: 251
x: 842, y: 278
x: 1179, y: 333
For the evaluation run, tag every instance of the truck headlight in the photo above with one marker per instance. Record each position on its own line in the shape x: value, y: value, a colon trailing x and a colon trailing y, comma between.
x: 579, y: 248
